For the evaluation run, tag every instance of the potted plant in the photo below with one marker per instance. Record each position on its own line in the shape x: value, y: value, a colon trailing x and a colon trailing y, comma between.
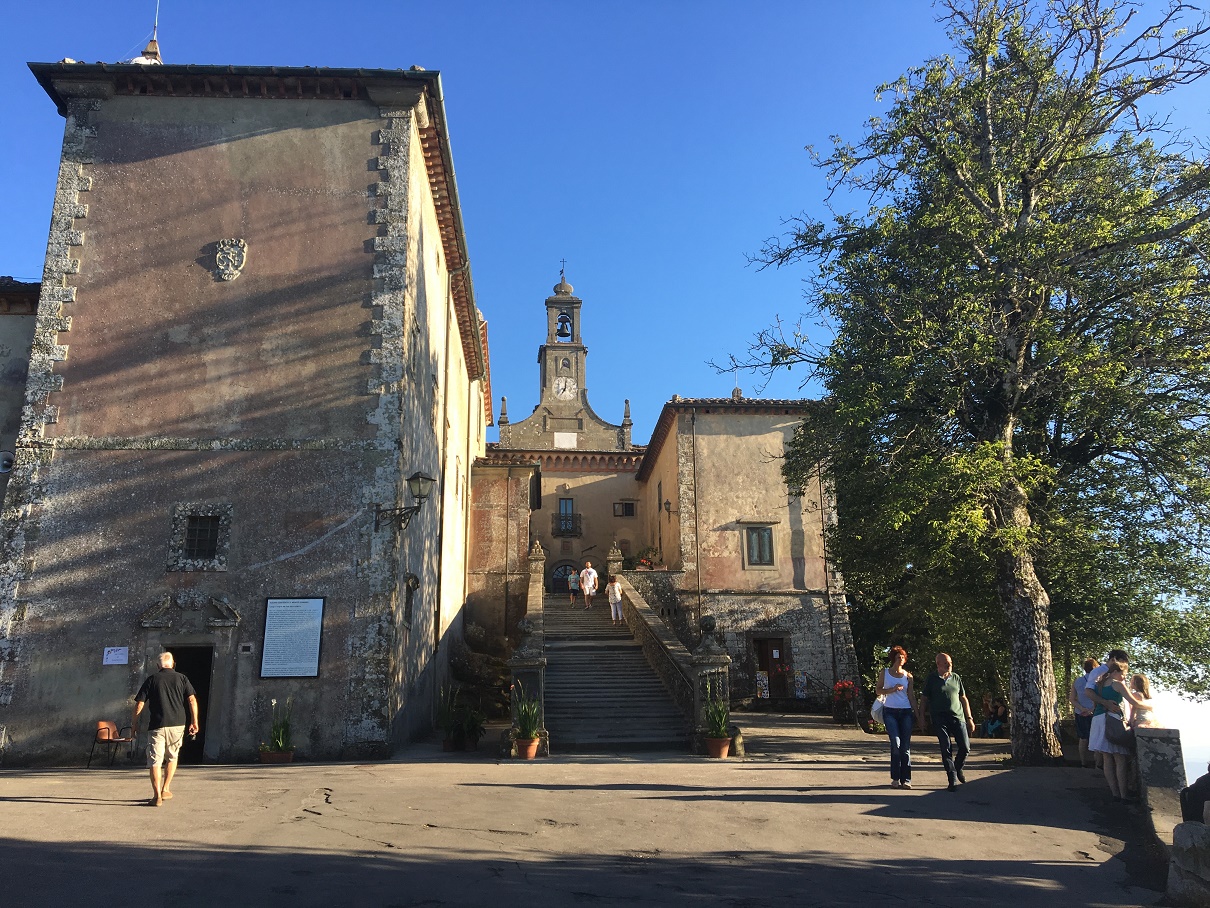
x: 844, y: 695
x: 528, y: 724
x: 280, y: 747
x: 471, y: 725
x: 718, y: 725
x: 449, y: 720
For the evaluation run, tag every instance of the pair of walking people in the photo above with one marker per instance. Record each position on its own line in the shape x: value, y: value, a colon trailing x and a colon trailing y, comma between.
x: 945, y: 698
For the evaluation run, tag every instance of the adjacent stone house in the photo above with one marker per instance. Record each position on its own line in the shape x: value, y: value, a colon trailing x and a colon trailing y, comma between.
x: 742, y: 549
x: 247, y: 340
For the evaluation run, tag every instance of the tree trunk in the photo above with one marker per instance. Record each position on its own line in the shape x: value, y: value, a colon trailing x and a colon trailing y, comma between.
x: 1032, y: 679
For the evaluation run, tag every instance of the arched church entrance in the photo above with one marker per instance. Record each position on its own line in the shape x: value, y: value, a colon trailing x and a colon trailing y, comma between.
x: 559, y: 575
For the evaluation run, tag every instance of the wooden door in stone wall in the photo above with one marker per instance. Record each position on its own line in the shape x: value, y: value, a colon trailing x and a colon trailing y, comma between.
x: 774, y: 661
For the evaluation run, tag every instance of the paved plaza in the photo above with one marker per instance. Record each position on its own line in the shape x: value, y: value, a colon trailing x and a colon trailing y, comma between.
x: 808, y: 818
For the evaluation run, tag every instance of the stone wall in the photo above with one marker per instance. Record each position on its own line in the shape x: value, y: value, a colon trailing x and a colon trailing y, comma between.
x: 800, y: 619
x: 1189, y: 865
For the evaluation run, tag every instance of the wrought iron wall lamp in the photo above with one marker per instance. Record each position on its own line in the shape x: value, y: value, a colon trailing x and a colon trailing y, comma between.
x: 420, y: 486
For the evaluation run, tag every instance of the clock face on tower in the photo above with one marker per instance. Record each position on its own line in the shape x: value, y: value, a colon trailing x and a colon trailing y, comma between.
x: 565, y: 388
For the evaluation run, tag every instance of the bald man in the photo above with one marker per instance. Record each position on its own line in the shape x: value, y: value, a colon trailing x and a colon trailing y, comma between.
x: 166, y: 694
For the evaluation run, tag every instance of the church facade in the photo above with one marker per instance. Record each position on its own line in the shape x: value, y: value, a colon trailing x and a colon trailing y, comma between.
x: 704, y: 501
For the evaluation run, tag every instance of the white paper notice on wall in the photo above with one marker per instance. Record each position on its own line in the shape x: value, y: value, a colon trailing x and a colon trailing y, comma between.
x: 776, y: 654
x: 116, y: 655
x: 293, y: 631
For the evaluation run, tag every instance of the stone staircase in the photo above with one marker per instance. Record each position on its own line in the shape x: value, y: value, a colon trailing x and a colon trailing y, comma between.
x: 601, y: 694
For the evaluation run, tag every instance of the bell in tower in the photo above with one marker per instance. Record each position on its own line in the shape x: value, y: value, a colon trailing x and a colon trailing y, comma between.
x: 563, y: 332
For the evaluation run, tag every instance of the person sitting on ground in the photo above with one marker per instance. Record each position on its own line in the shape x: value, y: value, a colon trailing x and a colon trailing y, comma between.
x: 998, y: 726
x: 987, y: 715
x: 1194, y: 798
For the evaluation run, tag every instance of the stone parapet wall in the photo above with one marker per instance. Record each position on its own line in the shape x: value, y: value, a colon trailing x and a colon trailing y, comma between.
x: 1161, y: 765
x: 1189, y: 865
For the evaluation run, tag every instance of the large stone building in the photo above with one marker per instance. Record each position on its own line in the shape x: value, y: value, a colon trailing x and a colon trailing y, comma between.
x: 246, y: 341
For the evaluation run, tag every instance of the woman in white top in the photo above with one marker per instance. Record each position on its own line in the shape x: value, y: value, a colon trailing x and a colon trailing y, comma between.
x: 613, y: 590
x: 897, y: 687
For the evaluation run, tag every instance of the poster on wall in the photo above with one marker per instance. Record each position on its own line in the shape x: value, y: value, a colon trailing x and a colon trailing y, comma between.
x: 293, y: 629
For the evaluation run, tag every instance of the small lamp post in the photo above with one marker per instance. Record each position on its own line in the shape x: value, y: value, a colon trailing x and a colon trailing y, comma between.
x: 420, y: 486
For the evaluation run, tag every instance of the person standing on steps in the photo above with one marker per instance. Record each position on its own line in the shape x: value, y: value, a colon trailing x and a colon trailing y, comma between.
x: 166, y: 694
x: 588, y: 583
x: 573, y: 585
x: 613, y: 592
x: 945, y: 698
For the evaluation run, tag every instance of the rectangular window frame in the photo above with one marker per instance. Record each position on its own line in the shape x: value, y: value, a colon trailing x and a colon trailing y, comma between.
x: 179, y: 558
x: 625, y: 509
x: 765, y: 549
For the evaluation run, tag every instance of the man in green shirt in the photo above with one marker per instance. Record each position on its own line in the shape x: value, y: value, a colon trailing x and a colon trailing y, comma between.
x: 945, y: 697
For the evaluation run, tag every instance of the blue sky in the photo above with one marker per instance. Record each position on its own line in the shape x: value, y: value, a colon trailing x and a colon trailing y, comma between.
x: 651, y: 144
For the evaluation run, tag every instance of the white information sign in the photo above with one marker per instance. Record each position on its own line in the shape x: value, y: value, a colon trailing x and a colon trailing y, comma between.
x: 116, y: 655
x: 293, y: 629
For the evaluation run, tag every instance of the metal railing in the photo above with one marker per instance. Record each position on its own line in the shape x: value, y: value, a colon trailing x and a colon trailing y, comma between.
x: 566, y: 525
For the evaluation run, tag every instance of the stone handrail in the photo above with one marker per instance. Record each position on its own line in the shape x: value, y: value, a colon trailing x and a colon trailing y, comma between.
x: 528, y: 661
x: 690, y: 678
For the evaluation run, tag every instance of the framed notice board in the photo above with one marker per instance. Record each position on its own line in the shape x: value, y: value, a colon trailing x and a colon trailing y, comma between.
x: 293, y: 633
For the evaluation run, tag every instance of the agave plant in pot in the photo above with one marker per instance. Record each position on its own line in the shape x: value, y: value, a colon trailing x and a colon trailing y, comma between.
x: 280, y: 746
x: 449, y: 719
x: 527, y: 725
x: 718, y: 721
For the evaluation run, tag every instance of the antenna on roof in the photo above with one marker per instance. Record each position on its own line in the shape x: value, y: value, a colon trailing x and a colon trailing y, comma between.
x: 151, y: 53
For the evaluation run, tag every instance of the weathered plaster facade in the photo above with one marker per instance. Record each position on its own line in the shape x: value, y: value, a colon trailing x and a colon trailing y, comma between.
x: 293, y: 398
x: 718, y: 463
x: 18, y: 316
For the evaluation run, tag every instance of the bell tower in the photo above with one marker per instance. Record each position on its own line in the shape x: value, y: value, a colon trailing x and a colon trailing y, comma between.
x: 563, y: 418
x: 561, y: 358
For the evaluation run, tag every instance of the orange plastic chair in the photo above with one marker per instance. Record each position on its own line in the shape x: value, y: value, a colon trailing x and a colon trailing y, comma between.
x: 109, y: 735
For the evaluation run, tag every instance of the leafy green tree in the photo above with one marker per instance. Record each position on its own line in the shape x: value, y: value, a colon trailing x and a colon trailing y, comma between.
x: 1018, y: 384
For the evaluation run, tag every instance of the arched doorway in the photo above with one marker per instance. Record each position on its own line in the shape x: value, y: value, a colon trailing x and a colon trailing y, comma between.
x: 558, y: 576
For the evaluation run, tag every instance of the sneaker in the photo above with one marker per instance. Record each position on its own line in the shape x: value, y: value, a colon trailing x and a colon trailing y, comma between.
x: 952, y: 787
x: 894, y: 783
x: 961, y: 778
x: 905, y: 784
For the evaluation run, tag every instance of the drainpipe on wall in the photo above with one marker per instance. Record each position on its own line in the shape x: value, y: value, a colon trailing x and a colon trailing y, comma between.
x: 827, y: 576
x: 508, y: 540
x: 697, y: 536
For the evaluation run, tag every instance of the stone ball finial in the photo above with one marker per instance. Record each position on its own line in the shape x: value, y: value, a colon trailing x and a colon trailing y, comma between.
x: 707, y: 624
x: 563, y: 287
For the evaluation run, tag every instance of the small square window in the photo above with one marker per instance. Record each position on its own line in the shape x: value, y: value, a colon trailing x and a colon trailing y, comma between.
x: 623, y: 509
x: 201, y: 537
x: 758, y: 547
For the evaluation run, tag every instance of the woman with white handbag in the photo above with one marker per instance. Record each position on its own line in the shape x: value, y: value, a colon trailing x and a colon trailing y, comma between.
x: 897, y: 715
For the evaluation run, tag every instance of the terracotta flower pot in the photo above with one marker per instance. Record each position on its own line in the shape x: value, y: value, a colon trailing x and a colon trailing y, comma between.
x: 528, y: 749
x: 276, y: 756
x: 718, y: 748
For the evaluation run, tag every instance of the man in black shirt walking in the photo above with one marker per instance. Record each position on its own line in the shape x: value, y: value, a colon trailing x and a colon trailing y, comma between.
x: 166, y: 694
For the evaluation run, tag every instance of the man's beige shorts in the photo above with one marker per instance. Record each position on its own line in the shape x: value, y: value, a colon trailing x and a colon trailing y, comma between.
x: 164, y: 745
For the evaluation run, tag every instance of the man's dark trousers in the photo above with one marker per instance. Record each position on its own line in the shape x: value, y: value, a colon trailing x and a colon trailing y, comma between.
x: 951, y: 729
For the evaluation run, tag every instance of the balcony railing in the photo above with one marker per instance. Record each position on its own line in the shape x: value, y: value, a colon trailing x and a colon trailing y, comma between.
x: 566, y: 525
